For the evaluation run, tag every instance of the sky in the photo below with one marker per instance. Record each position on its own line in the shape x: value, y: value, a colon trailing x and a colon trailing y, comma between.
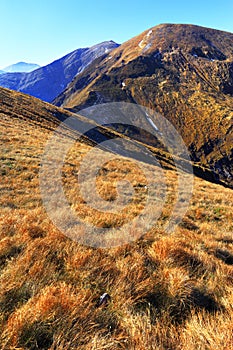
x: 40, y: 31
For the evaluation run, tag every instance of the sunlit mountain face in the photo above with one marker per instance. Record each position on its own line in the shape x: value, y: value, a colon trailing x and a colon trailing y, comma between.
x: 183, y: 72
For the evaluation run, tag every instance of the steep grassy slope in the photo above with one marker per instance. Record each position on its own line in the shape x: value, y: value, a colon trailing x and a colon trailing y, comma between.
x: 167, y: 291
x: 182, y: 71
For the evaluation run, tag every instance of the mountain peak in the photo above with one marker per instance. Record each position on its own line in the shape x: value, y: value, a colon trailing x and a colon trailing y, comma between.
x: 21, y: 67
x: 49, y: 81
x: 186, y: 37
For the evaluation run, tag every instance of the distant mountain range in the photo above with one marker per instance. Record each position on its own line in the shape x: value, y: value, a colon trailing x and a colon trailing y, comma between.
x: 49, y: 81
x: 20, y: 67
x: 184, y: 72
x: 54, y: 268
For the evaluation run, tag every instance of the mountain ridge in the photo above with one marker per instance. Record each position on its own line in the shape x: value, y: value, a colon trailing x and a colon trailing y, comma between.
x: 48, y: 81
x: 184, y: 72
x: 21, y: 67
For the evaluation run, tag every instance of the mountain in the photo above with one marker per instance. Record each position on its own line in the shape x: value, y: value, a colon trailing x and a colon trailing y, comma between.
x: 49, y: 81
x: 167, y: 291
x: 21, y: 67
x: 184, y: 72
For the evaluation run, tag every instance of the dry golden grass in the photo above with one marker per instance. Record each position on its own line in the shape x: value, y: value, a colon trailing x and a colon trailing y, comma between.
x: 167, y: 291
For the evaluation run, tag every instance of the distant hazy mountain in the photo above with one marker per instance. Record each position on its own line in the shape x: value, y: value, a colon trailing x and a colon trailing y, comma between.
x: 21, y: 67
x: 49, y: 81
x: 185, y: 72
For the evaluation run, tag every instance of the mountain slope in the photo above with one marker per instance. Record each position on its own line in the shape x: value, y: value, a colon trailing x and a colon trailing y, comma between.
x: 49, y: 81
x: 21, y: 67
x: 184, y: 72
x: 167, y: 291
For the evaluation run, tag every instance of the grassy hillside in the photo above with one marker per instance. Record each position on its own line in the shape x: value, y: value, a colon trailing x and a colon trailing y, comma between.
x: 167, y: 291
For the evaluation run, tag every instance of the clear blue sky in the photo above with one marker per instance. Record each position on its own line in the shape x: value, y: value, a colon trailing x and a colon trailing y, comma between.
x: 44, y: 30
